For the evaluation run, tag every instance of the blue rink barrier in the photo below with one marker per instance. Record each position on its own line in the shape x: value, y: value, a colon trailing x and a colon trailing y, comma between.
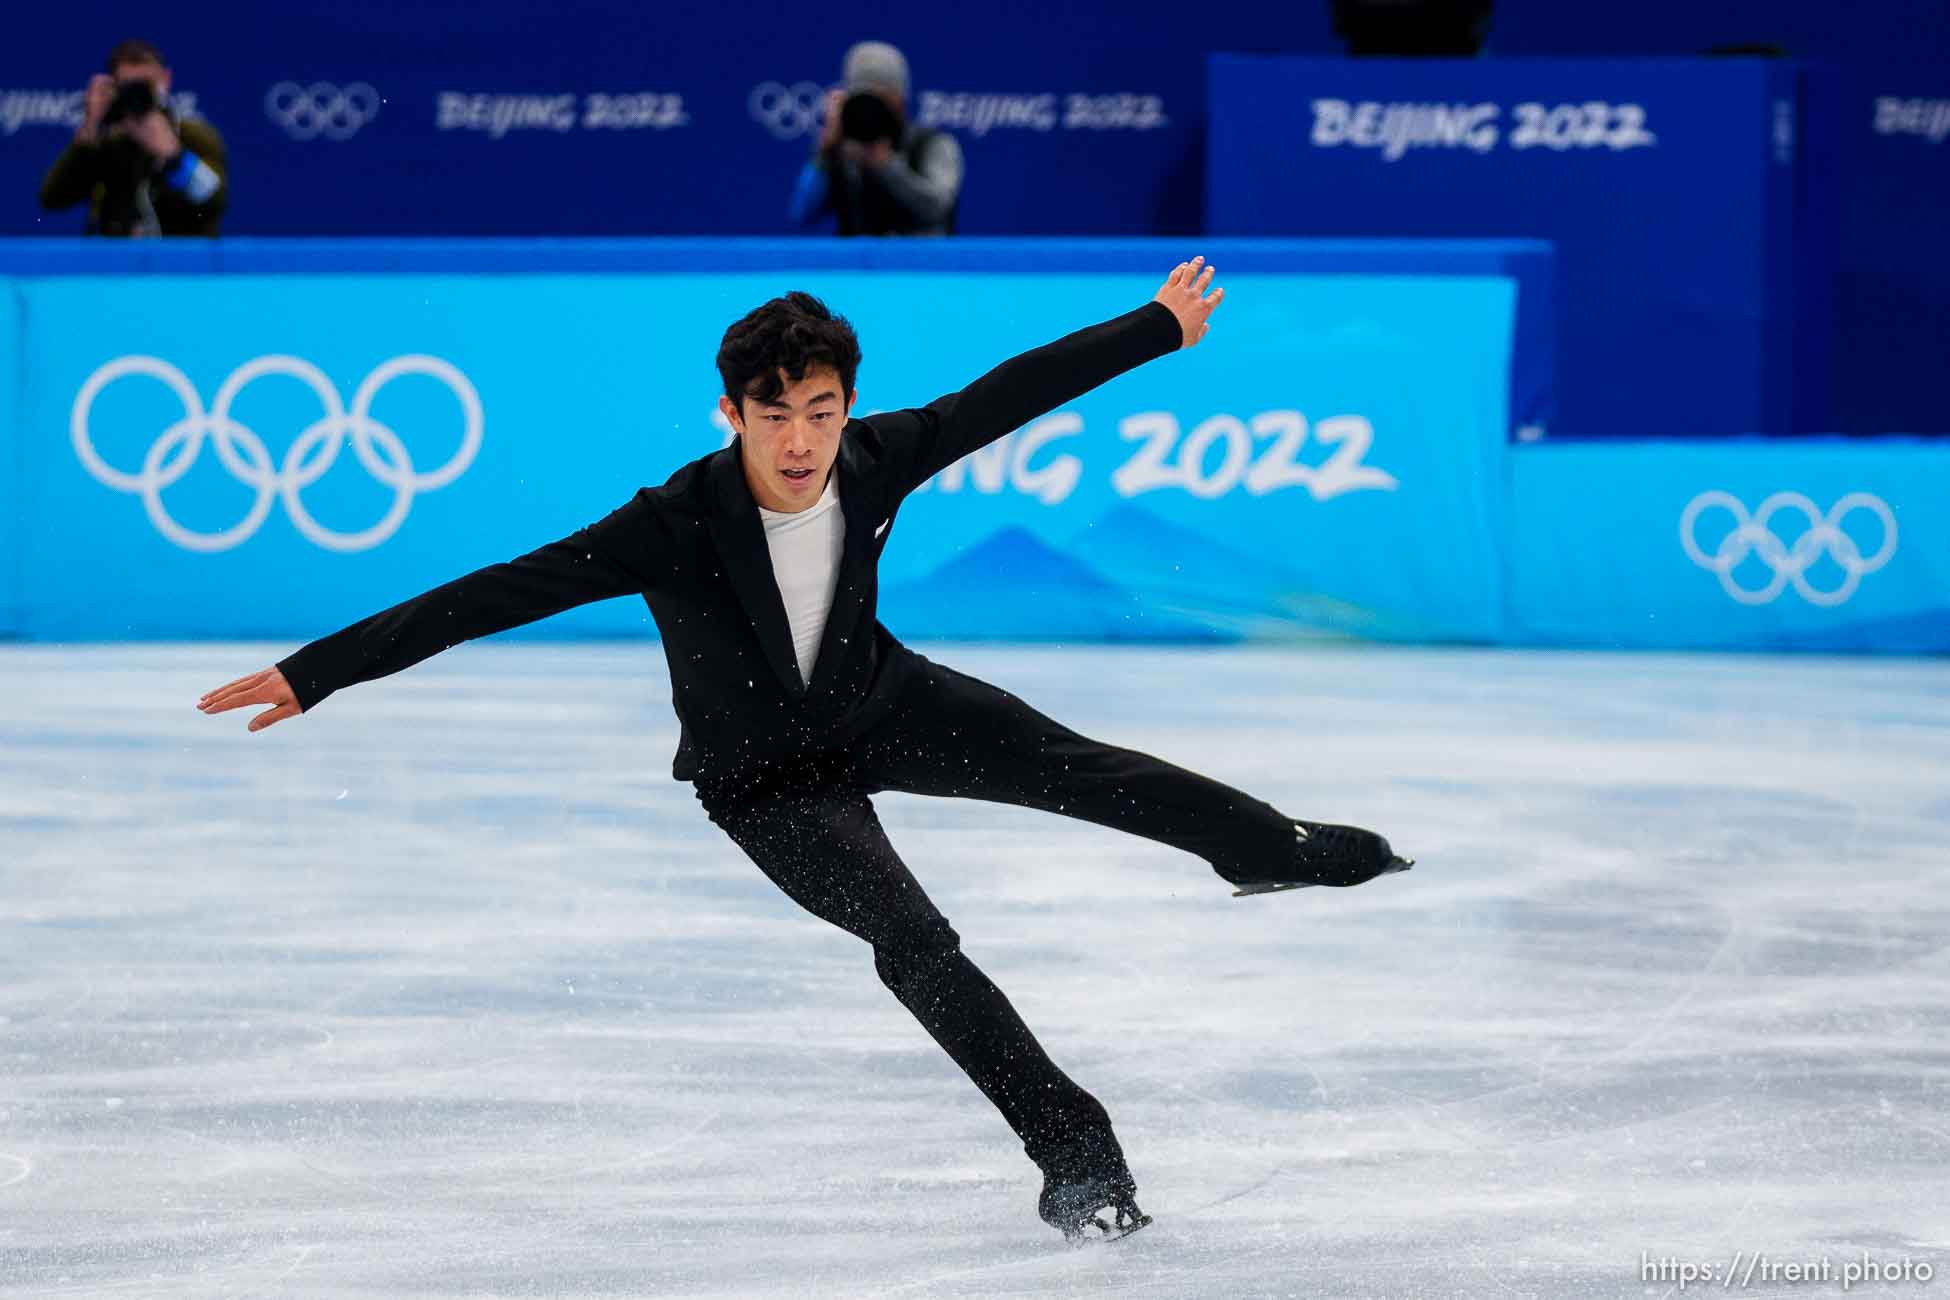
x: 241, y: 440
x: 271, y: 439
x: 1831, y: 544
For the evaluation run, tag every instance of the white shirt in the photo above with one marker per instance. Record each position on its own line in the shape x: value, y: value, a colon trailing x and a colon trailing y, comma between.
x: 805, y: 547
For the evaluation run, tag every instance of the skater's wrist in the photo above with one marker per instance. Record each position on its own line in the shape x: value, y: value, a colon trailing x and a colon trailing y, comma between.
x: 1162, y: 329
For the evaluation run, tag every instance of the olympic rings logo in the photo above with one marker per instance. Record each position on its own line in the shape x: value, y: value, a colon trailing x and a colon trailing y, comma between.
x: 244, y: 454
x: 1752, y: 535
x: 788, y: 112
x: 321, y: 109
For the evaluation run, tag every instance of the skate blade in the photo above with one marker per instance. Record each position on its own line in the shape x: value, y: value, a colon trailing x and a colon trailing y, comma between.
x: 1275, y: 887
x: 1105, y: 1232
x: 1271, y: 887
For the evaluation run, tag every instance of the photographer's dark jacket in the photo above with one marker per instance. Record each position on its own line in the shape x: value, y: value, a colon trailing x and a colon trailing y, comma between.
x: 695, y: 550
x: 919, y: 193
x: 129, y: 191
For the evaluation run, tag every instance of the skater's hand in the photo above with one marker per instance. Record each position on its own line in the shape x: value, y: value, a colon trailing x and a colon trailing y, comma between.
x: 1184, y: 292
x: 265, y: 687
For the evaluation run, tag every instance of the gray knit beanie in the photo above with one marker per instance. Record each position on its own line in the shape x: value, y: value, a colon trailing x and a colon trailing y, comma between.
x: 875, y: 65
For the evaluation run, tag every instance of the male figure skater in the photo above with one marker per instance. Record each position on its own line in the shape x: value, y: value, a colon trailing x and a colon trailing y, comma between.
x: 758, y: 562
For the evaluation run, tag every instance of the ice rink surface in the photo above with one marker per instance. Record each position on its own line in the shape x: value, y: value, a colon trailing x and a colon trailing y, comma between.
x: 448, y: 990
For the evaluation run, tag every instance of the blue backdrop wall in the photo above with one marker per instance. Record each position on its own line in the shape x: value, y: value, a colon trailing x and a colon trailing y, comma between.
x: 607, y: 117
x: 615, y: 117
x: 1692, y: 259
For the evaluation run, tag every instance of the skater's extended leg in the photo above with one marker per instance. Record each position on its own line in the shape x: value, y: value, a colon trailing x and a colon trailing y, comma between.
x: 954, y: 735
x: 820, y: 841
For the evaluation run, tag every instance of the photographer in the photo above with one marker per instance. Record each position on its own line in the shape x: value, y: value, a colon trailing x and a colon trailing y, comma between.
x: 878, y: 173
x: 139, y: 164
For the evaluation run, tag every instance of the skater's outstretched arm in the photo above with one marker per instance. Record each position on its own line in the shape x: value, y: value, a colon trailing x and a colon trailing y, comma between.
x: 607, y: 558
x: 922, y: 441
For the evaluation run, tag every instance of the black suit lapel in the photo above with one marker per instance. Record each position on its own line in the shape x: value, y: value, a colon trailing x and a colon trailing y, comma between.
x: 856, y: 562
x: 740, y: 537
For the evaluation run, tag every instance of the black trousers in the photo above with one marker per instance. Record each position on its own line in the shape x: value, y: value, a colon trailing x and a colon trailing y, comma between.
x: 810, y: 826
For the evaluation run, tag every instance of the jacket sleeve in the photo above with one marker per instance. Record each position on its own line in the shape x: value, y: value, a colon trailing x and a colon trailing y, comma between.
x: 926, y: 193
x: 922, y: 441
x: 201, y: 173
x: 608, y: 558
x: 812, y: 193
x: 71, y: 179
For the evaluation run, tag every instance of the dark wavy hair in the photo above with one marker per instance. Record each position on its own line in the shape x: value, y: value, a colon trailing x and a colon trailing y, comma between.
x: 134, y: 52
x: 791, y: 334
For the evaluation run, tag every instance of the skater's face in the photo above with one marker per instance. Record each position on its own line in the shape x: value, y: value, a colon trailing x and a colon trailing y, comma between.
x: 788, y: 444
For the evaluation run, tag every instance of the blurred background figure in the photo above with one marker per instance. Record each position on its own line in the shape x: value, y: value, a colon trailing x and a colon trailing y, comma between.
x: 1413, y: 27
x: 876, y: 172
x: 142, y: 167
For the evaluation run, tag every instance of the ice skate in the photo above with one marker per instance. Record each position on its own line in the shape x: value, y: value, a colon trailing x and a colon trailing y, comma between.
x: 1326, y: 854
x: 1084, y: 1178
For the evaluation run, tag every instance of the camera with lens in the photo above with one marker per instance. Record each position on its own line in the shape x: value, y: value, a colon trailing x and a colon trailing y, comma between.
x: 134, y: 100
x: 866, y: 117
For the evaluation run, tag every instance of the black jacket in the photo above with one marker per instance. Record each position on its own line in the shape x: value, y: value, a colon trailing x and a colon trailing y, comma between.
x: 128, y: 191
x: 905, y: 197
x: 695, y: 550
